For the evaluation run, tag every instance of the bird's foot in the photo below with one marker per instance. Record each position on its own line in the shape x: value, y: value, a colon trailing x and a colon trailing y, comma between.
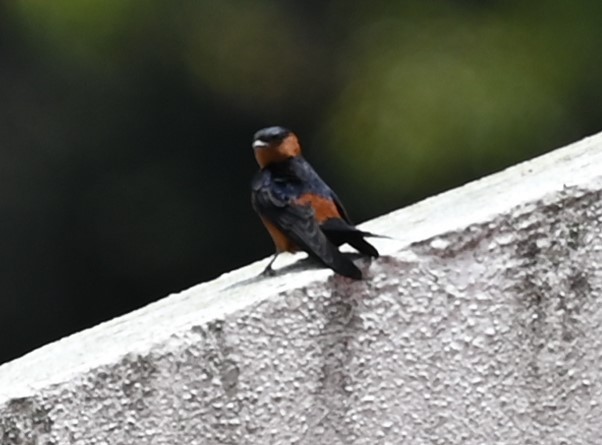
x: 268, y: 272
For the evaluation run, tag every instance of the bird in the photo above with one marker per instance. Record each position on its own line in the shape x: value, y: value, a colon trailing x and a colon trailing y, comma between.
x: 299, y: 210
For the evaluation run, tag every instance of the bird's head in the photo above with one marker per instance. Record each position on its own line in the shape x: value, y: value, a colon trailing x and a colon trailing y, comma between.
x: 275, y: 144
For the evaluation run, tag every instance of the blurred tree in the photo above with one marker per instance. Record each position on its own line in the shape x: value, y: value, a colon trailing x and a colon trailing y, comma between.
x: 125, y: 128
x: 436, y: 96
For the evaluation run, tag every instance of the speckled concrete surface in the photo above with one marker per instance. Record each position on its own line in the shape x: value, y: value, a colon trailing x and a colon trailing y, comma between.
x: 481, y: 324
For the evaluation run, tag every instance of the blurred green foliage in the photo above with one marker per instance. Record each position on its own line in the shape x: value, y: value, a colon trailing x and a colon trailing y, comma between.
x: 125, y: 127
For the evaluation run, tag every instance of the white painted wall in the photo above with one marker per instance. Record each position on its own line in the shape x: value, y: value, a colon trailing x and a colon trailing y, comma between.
x: 481, y: 324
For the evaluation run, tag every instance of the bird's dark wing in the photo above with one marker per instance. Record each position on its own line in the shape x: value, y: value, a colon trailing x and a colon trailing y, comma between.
x: 340, y: 207
x: 273, y: 202
x: 314, y: 184
x: 340, y: 232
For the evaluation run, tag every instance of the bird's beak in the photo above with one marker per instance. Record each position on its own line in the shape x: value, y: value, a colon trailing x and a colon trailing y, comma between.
x: 259, y: 144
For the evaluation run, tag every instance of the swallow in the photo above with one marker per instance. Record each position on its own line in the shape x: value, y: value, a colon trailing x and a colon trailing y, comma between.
x: 299, y: 210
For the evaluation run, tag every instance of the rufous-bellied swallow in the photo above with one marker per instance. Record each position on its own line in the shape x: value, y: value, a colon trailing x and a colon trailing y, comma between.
x: 298, y: 208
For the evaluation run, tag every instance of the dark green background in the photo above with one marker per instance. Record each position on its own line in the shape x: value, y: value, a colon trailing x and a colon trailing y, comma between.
x: 125, y: 128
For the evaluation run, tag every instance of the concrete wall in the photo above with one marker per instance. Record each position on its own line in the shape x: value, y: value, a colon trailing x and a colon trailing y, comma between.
x: 481, y: 324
